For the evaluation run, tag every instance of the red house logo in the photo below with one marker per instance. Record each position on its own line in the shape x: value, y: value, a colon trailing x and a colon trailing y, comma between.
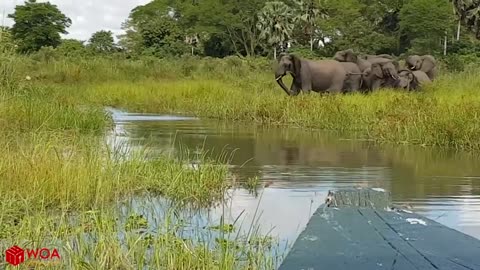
x: 15, y: 255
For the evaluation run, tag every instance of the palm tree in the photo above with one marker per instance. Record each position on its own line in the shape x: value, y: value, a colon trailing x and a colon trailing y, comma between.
x: 473, y: 16
x: 308, y: 12
x: 459, y: 10
x: 468, y: 12
x: 276, y: 22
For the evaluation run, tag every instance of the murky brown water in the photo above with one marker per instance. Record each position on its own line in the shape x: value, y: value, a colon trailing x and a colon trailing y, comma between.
x: 301, y: 166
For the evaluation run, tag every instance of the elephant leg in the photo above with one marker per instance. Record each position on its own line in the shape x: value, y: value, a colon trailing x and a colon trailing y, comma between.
x: 377, y: 84
x: 336, y: 86
x: 431, y: 74
x: 347, y: 86
x: 355, y: 84
x: 306, y: 85
x: 294, y: 89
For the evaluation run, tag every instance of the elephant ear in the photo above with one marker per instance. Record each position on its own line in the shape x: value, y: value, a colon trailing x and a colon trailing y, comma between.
x: 350, y: 56
x: 297, y: 65
x: 377, y: 70
x: 410, y: 62
x: 428, y: 63
x: 390, y: 70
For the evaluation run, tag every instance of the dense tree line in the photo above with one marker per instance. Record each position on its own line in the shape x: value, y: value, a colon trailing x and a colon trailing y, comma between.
x: 263, y: 28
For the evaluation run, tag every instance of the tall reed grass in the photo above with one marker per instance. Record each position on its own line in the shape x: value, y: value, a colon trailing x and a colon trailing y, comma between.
x: 62, y: 185
x: 443, y: 114
x: 65, y: 190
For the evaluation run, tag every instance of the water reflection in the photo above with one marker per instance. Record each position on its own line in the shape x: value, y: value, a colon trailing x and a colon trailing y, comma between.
x: 301, y: 166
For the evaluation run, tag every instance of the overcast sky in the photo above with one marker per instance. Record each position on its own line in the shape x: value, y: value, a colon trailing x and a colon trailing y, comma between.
x: 88, y: 16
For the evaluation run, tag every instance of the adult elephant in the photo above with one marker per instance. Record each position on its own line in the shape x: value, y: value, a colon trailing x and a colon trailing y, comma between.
x: 310, y: 75
x: 353, y: 80
x: 425, y: 63
x: 412, y: 80
x: 382, y: 74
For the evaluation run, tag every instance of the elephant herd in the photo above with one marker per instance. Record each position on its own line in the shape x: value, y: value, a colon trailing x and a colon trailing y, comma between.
x: 350, y: 72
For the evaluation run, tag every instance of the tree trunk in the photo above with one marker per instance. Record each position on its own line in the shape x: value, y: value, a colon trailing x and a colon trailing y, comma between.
x: 311, y: 43
x: 458, y: 29
x: 445, y: 46
x: 274, y: 52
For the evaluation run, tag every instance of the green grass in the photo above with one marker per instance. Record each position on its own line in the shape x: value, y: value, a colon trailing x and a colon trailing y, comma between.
x: 61, y: 184
x: 63, y: 187
x: 76, y: 172
x: 58, y: 188
x: 92, y: 241
x: 446, y: 114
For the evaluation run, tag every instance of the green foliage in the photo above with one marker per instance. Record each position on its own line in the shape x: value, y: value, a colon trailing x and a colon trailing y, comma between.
x: 305, y: 52
x: 345, y: 27
x: 38, y: 25
x: 7, y: 46
x: 425, y: 22
x: 454, y: 63
x: 164, y: 28
x: 163, y: 36
x: 71, y: 48
x: 45, y: 54
x: 276, y: 22
x: 102, y: 42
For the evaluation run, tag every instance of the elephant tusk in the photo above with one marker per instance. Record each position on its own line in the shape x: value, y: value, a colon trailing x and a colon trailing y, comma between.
x: 278, y: 78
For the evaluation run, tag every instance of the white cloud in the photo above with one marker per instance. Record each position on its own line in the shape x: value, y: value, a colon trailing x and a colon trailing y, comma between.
x: 87, y: 16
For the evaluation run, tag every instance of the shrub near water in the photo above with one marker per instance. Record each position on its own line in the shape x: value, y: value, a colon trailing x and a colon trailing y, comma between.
x: 73, y: 172
x: 445, y: 114
x: 57, y: 189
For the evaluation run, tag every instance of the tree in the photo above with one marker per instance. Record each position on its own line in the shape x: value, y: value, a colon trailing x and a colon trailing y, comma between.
x: 276, y: 22
x: 102, y: 42
x: 154, y: 29
x: 71, y: 48
x: 38, y: 25
x: 163, y: 36
x: 425, y: 23
x: 347, y: 27
x: 309, y: 13
x: 473, y: 16
x: 241, y: 25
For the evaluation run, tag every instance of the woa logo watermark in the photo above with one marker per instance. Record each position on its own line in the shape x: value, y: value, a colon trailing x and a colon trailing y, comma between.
x: 16, y: 255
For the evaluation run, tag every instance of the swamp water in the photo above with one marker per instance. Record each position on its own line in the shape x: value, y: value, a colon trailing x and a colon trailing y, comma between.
x: 298, y: 168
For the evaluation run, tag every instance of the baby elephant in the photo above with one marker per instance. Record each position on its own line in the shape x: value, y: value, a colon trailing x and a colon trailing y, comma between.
x: 412, y: 80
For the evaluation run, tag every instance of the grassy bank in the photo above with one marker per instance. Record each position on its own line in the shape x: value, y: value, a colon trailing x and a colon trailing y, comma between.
x: 445, y: 114
x: 65, y: 191
x: 63, y: 187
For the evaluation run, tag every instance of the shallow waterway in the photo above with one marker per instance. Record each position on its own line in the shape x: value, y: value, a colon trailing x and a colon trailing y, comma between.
x: 300, y: 166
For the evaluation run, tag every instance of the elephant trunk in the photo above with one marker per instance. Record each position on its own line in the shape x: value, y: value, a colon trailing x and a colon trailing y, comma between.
x: 282, y: 85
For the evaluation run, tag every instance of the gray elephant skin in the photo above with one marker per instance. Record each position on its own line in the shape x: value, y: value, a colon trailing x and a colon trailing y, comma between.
x: 363, y: 62
x: 382, y: 74
x: 353, y: 80
x: 412, y: 80
x: 370, y: 57
x: 425, y: 63
x: 350, y: 56
x: 310, y: 75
